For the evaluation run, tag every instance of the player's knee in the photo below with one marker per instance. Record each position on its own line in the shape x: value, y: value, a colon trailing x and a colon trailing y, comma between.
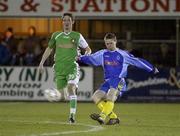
x: 98, y: 96
x: 95, y: 98
x: 71, y: 89
x: 112, y: 95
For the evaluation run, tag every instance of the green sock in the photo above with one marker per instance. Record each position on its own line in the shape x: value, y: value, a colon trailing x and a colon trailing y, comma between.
x: 73, y: 104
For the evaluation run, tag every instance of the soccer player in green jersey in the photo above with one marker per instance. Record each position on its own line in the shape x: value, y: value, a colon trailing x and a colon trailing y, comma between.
x: 66, y: 69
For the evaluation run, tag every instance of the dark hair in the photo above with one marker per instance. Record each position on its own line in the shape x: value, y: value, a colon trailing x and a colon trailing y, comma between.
x: 10, y: 29
x: 110, y: 36
x: 68, y: 14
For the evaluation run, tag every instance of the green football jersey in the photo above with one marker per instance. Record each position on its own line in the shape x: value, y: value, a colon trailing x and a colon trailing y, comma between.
x: 66, y: 50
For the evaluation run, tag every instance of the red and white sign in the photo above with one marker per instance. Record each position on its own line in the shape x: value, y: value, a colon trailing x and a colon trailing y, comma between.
x: 90, y: 8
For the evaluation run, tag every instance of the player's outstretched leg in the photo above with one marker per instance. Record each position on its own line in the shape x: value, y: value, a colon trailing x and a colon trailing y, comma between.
x: 108, y: 107
x: 101, y: 105
x: 107, y: 110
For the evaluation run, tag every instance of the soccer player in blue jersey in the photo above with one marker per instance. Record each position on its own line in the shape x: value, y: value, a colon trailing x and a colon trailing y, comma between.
x: 115, y: 63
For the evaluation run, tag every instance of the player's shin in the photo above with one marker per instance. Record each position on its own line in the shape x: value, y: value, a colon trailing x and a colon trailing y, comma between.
x: 101, y: 104
x: 112, y: 115
x: 108, y: 108
x: 98, y: 99
x: 73, y: 104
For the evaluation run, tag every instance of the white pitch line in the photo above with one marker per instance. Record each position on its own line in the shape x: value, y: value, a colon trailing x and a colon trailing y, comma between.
x: 92, y: 128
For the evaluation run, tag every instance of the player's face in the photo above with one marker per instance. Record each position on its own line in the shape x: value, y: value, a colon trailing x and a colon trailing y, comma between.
x: 67, y: 23
x: 31, y: 31
x: 110, y: 44
x: 8, y: 34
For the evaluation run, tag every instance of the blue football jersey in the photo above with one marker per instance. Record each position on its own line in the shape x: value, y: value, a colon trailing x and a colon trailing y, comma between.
x: 115, y: 63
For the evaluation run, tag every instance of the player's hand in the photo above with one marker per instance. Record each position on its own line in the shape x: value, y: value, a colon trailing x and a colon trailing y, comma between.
x: 155, y: 71
x: 41, y: 68
x: 87, y: 53
x: 77, y: 58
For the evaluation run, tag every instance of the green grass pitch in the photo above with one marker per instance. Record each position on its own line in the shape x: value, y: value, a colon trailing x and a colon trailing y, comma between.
x: 50, y: 119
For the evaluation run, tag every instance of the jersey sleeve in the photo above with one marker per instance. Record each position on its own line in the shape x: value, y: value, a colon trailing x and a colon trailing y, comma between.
x: 52, y: 41
x: 82, y: 42
x: 138, y: 62
x: 95, y: 59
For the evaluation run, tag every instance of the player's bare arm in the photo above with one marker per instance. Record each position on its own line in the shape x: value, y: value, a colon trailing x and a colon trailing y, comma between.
x: 88, y: 50
x: 44, y: 57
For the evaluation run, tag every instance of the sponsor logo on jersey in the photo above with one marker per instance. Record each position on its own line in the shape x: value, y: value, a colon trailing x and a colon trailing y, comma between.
x: 107, y: 56
x: 112, y: 63
x: 118, y: 57
x: 67, y: 46
x: 66, y: 37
